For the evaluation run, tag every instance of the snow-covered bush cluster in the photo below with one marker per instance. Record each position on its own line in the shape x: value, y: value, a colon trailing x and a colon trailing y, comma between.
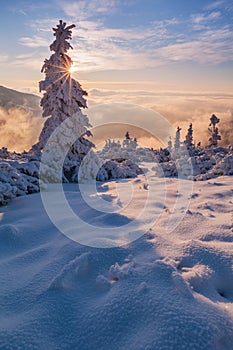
x: 18, y: 175
x: 222, y: 164
x: 93, y: 167
x: 197, y: 163
x: 120, y: 169
x: 136, y: 155
x: 184, y: 159
x: 127, y: 149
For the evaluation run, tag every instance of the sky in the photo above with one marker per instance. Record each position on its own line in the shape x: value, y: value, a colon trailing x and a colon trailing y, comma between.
x: 173, y: 56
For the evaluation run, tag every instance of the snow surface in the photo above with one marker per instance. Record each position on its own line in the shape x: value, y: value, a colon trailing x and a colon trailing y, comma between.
x: 162, y: 291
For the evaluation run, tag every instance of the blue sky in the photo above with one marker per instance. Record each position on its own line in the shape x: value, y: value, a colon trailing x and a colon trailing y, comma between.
x: 174, y: 44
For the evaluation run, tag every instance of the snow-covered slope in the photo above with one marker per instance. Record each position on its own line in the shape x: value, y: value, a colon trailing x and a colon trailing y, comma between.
x: 163, y: 291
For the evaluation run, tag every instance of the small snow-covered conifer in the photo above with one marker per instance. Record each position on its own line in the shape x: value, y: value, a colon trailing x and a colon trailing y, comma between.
x: 127, y: 136
x: 177, y: 138
x: 169, y: 144
x: 213, y: 131
x: 189, y: 137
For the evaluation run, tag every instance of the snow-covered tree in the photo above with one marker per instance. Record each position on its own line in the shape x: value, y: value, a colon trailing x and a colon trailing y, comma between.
x: 177, y: 138
x: 63, y: 98
x: 134, y: 142
x: 128, y: 142
x: 213, y: 131
x: 169, y: 144
x: 127, y: 135
x: 189, y: 137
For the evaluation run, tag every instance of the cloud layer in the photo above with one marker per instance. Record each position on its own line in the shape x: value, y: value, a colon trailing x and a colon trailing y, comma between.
x: 179, y: 108
x: 21, y: 135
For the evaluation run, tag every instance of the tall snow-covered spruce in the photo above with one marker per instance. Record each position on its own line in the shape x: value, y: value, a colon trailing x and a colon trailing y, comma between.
x: 63, y: 98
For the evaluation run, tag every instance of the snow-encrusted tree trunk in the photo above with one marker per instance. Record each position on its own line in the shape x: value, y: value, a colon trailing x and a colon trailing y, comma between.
x: 213, y: 131
x: 63, y: 98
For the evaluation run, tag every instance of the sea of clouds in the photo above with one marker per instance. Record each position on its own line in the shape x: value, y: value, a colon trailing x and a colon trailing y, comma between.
x: 20, y: 127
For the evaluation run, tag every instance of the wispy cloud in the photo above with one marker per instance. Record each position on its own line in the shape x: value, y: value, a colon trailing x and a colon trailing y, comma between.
x: 33, y: 60
x: 98, y: 47
x: 34, y: 41
x: 43, y: 25
x: 210, y: 47
x: 29, y: 7
x: 214, y: 5
x: 22, y: 12
x: 3, y: 58
x: 85, y: 9
x: 200, y: 17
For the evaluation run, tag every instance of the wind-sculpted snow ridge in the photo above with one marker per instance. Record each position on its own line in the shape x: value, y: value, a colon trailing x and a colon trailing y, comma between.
x: 163, y: 291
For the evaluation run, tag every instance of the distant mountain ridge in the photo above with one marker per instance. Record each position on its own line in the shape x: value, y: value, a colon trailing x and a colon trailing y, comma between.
x: 12, y: 98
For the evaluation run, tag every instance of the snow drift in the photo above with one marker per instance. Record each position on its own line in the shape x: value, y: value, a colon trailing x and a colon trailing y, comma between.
x: 163, y: 291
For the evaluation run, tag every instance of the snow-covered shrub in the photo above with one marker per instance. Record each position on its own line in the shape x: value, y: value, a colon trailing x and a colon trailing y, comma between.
x: 217, y: 162
x: 19, y: 175
x: 203, y: 164
x: 17, y: 178
x: 224, y: 166
x: 4, y: 153
x: 120, y: 169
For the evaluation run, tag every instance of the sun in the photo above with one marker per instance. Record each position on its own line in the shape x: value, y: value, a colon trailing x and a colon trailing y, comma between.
x: 72, y: 69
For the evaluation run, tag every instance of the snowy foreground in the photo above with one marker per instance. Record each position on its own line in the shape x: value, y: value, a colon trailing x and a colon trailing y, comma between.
x: 163, y: 291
